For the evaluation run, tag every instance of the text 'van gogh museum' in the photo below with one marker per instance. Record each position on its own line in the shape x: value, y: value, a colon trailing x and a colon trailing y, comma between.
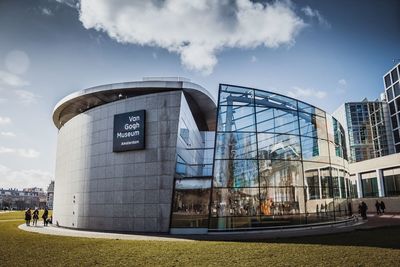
x: 163, y: 156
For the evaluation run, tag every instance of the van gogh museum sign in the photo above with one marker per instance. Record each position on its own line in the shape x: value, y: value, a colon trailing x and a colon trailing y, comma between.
x: 129, y: 131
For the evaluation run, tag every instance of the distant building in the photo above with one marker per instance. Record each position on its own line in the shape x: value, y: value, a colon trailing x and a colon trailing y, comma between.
x: 368, y: 129
x: 27, y: 198
x: 50, y: 195
x: 392, y: 91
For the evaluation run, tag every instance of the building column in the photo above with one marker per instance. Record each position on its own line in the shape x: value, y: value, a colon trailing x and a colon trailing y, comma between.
x: 359, y: 186
x: 379, y: 178
x: 320, y: 183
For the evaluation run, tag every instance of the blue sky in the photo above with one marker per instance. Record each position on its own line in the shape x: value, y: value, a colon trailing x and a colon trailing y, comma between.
x: 323, y: 52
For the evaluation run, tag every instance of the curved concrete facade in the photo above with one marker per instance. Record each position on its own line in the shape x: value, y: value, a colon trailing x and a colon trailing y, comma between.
x: 99, y: 189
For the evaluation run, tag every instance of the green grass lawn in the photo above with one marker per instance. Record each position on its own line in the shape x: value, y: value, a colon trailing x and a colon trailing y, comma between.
x: 378, y: 247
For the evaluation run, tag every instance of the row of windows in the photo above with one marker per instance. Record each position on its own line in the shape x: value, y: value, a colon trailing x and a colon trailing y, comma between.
x: 392, y: 77
x: 393, y: 92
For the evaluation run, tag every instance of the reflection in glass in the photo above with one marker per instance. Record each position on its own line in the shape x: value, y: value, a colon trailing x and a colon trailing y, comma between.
x: 277, y: 121
x: 269, y: 99
x: 263, y: 142
x: 190, y: 203
x: 312, y: 183
x: 315, y: 149
x: 280, y: 173
x: 304, y: 107
x: 278, y: 146
x: 391, y: 179
x: 236, y: 118
x: 235, y: 202
x: 232, y: 95
x: 282, y: 200
x: 236, y: 145
x: 312, y: 125
x: 235, y: 173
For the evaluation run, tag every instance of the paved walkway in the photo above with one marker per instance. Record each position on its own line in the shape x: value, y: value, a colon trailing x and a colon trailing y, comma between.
x: 373, y: 221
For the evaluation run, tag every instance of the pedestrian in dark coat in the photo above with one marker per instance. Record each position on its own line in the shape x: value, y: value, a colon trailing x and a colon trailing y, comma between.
x: 35, y: 217
x: 28, y: 216
x: 364, y: 209
x: 378, y: 207
x: 383, y: 207
x: 44, y: 216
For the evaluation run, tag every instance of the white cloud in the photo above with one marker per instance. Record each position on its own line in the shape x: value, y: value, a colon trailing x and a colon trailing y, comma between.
x: 196, y: 30
x: 4, y: 120
x: 28, y: 153
x: 21, y: 152
x: 253, y: 59
x: 26, y: 97
x: 11, y: 79
x: 70, y: 3
x: 7, y: 134
x: 313, y: 13
x: 342, y: 82
x: 46, y: 11
x: 24, y: 178
x: 300, y: 93
x: 17, y: 62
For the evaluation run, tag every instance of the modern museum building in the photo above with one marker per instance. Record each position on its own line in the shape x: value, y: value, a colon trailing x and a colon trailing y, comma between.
x: 161, y: 155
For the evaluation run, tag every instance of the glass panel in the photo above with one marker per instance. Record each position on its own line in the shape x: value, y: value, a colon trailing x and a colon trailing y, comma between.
x: 312, y: 183
x: 272, y: 100
x: 235, y: 202
x: 235, y: 118
x: 392, y: 108
x: 336, y: 154
x: 396, y: 89
x: 282, y: 200
x: 280, y: 173
x: 398, y: 104
x: 235, y: 173
x: 277, y: 121
x: 310, y: 109
x: 394, y: 75
x: 314, y: 149
x: 326, y: 183
x: 278, y: 146
x: 370, y: 187
x: 312, y: 125
x: 190, y: 203
x: 389, y: 94
x: 394, y: 122
x: 387, y: 81
x: 235, y: 145
x: 236, y: 96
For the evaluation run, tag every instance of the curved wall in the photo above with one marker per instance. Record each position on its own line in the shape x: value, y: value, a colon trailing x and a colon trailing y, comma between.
x: 278, y: 161
x: 127, y: 191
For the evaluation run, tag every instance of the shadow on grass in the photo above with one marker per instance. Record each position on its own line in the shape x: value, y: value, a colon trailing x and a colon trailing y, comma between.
x: 385, y: 237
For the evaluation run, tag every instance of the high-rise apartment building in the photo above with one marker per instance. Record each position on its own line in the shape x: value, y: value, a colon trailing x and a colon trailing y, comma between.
x: 367, y: 128
x: 392, y: 91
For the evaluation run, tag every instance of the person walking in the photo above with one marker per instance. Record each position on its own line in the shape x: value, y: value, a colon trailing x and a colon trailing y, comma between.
x: 28, y: 216
x: 35, y: 216
x: 364, y: 209
x: 378, y: 207
x: 44, y: 216
x: 383, y: 207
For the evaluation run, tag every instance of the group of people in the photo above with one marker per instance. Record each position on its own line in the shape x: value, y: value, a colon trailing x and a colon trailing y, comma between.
x: 380, y: 207
x: 34, y: 216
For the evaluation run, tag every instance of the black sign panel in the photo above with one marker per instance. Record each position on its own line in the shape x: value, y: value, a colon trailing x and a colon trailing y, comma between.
x: 129, y: 131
